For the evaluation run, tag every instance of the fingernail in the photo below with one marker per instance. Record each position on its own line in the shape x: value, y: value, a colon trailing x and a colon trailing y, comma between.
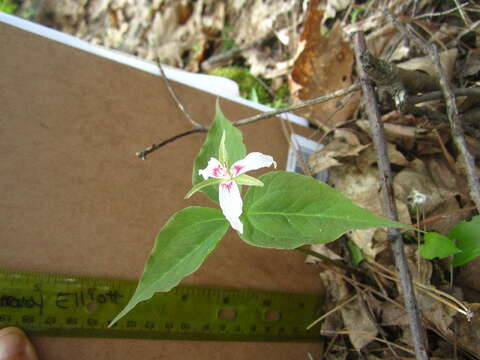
x: 14, y: 344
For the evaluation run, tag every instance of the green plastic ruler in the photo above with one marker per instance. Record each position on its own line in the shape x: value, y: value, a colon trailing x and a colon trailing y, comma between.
x: 60, y: 305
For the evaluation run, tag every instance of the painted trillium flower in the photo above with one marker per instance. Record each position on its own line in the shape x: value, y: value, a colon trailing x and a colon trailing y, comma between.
x: 217, y: 172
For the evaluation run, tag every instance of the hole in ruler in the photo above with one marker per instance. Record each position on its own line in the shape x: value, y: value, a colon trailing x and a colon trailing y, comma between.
x: 91, y: 307
x: 227, y: 314
x: 272, y: 316
x: 184, y: 297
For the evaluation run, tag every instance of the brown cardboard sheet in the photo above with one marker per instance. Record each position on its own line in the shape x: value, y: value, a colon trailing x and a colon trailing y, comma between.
x: 75, y: 199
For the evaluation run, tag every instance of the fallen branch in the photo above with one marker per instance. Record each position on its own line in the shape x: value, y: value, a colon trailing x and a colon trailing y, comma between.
x: 394, y: 235
x: 396, y: 81
x: 436, y: 95
x: 452, y: 111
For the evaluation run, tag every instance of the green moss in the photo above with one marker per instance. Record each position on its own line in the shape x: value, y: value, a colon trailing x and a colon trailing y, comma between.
x: 247, y: 83
x: 8, y: 6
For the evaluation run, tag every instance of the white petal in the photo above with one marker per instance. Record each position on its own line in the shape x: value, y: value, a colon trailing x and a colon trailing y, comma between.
x: 214, y: 169
x: 231, y: 203
x: 252, y: 161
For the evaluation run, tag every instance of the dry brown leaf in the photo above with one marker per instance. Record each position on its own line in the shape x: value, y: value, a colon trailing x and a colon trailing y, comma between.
x: 333, y: 6
x: 392, y: 315
x: 320, y: 163
x: 406, y: 137
x: 66, y: 12
x: 255, y: 19
x: 440, y: 315
x: 425, y: 64
x: 472, y: 66
x: 371, y: 22
x: 469, y: 280
x: 421, y: 270
x: 363, y: 188
x: 446, y: 179
x: 416, y: 179
x: 473, y: 145
x: 378, y: 39
x: 322, y: 249
x: 338, y: 148
x: 357, y: 321
x: 146, y: 28
x: 468, y: 332
x: 337, y: 292
x: 369, y: 157
x: 324, y: 65
x: 346, y: 135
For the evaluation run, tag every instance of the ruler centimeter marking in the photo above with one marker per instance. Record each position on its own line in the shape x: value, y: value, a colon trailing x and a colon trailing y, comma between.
x: 62, y: 305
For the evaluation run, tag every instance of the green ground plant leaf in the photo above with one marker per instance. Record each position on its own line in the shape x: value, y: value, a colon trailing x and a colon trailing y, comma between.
x: 437, y: 246
x: 292, y: 210
x: 467, y: 237
x: 180, y: 248
x: 355, y: 253
x: 234, y: 146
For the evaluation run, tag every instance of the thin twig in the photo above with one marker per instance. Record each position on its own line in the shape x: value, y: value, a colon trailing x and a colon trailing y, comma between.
x: 336, y: 308
x: 437, y: 218
x: 365, y: 333
x: 330, y: 346
x: 466, y: 31
x: 440, y: 13
x: 142, y: 155
x: 378, y: 136
x: 464, y: 16
x: 452, y: 112
x: 374, y: 271
x: 365, y: 305
x: 329, y: 261
x: 201, y: 128
x: 443, y: 297
x: 449, y: 158
x: 175, y: 98
x: 307, y: 103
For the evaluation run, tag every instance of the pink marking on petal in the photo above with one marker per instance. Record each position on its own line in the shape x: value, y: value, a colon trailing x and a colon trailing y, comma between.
x: 219, y: 171
x: 227, y: 185
x: 236, y: 169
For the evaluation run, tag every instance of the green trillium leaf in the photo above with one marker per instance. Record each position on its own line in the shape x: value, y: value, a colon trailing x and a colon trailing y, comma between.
x: 292, y: 210
x: 181, y: 246
x: 234, y: 147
